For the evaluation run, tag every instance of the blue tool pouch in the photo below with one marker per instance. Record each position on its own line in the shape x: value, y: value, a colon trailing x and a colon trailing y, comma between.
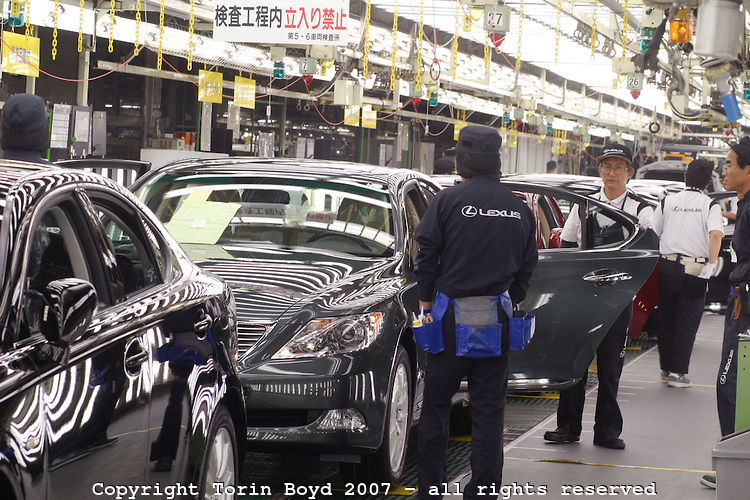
x: 522, y: 327
x: 429, y: 336
x: 478, y: 332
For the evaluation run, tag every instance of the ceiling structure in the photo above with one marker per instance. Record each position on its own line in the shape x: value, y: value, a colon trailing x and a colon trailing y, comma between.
x: 545, y: 70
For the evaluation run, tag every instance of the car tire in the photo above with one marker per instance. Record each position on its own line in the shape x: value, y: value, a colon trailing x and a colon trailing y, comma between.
x: 387, y: 463
x: 460, y: 420
x: 221, y: 460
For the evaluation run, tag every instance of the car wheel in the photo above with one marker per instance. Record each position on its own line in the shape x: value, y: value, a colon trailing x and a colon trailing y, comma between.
x: 220, y: 460
x: 387, y: 464
x: 460, y: 420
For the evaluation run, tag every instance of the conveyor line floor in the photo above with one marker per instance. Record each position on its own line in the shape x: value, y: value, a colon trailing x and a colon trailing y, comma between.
x: 669, y: 433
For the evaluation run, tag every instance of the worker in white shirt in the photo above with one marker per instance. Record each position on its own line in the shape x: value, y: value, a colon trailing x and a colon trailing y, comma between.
x: 691, y: 229
x: 615, y: 169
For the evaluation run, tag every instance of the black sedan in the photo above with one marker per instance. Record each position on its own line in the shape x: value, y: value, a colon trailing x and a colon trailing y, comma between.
x: 118, y: 360
x: 320, y: 256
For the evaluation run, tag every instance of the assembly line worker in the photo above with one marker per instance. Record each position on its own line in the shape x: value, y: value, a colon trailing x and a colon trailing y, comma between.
x: 736, y: 178
x: 25, y: 128
x: 615, y: 169
x: 690, y: 227
x: 476, y: 239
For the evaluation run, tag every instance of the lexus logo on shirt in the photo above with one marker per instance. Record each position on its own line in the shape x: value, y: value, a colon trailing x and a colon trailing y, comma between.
x: 469, y: 211
x: 472, y: 211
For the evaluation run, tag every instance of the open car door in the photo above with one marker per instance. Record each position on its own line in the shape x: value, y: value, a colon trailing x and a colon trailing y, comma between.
x: 577, y: 293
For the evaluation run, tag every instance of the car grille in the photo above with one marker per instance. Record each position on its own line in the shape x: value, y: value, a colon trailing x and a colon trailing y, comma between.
x: 249, y: 334
x: 282, y: 418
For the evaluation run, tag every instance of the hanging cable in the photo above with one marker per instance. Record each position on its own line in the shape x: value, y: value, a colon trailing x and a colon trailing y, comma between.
x: 80, y: 28
x: 54, y: 30
x: 520, y: 30
x: 593, y: 29
x: 395, y: 46
x: 191, y: 28
x: 455, y: 41
x: 625, y: 31
x: 112, y: 5
x: 137, y: 25
x: 161, y: 36
x: 557, y: 32
x: 28, y: 18
x: 418, y: 71
x: 366, y: 50
x: 25, y: 59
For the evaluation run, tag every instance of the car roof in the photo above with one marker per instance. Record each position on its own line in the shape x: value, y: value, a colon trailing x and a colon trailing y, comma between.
x: 297, y: 168
x: 580, y: 184
x: 665, y: 165
x: 651, y: 190
x: 14, y: 173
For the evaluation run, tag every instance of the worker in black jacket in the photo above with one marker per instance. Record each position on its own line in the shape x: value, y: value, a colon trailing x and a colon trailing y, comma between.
x: 25, y: 129
x: 477, y: 241
x: 737, y: 322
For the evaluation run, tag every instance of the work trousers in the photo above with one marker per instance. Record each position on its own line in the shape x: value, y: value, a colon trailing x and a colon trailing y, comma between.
x: 726, y: 380
x: 681, y: 299
x: 610, y: 357
x: 488, y: 385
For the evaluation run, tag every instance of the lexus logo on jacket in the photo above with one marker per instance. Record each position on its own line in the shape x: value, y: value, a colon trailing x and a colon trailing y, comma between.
x: 472, y: 211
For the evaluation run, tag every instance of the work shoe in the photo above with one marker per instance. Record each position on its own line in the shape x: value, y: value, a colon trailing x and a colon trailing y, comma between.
x: 612, y: 442
x: 560, y: 436
x: 664, y: 376
x: 709, y: 481
x: 677, y: 380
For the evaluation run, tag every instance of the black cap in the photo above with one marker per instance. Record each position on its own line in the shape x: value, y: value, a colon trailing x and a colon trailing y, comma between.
x: 24, y: 123
x: 551, y: 165
x: 478, y: 140
x: 742, y: 149
x: 702, y: 168
x: 615, y: 150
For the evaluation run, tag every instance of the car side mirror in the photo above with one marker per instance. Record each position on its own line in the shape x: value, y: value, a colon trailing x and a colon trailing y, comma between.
x: 69, y: 309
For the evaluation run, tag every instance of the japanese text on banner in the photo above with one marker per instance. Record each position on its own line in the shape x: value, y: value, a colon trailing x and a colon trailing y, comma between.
x: 210, y: 85
x: 244, y: 92
x: 21, y: 54
x: 281, y: 21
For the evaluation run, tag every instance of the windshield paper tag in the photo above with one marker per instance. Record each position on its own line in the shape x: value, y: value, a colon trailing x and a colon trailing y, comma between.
x: 324, y: 217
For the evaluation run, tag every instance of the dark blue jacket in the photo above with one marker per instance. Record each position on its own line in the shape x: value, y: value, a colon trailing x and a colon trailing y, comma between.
x: 476, y: 238
x: 741, y: 244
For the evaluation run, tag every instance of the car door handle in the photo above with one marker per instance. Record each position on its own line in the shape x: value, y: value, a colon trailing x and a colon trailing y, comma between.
x: 606, y: 277
x: 136, y: 360
x: 135, y: 356
x: 204, y: 322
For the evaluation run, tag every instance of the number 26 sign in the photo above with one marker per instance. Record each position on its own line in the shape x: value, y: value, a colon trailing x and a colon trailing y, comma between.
x: 635, y: 81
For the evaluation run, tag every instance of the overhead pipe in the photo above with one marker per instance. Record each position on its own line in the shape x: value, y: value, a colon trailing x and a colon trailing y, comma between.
x: 619, y: 10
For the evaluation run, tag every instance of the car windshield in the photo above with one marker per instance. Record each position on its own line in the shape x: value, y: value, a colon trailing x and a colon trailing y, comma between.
x: 221, y: 216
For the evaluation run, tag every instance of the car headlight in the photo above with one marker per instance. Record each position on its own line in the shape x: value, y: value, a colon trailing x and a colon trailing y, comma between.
x: 327, y: 336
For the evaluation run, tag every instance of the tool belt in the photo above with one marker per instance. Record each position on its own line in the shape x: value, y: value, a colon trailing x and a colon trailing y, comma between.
x: 680, y: 259
x: 479, y: 334
x: 693, y: 265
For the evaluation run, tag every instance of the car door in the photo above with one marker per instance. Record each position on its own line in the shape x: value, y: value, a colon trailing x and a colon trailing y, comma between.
x: 143, y: 260
x: 177, y: 336
x: 576, y: 294
x: 92, y: 397
x: 414, y: 205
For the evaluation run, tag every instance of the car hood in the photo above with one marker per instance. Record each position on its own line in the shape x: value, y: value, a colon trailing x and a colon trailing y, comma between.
x: 276, y: 285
